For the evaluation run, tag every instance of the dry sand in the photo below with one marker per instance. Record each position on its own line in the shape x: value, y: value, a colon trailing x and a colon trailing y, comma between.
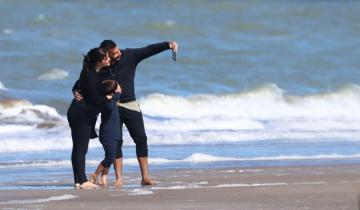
x: 297, y: 187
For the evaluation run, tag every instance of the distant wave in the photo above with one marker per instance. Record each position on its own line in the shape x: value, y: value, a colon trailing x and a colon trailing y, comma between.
x: 194, y: 158
x: 162, y: 24
x: 264, y: 102
x: 2, y: 86
x: 40, y: 17
x: 263, y: 113
x: 7, y: 31
x: 54, y: 74
x: 22, y: 112
x: 258, y: 109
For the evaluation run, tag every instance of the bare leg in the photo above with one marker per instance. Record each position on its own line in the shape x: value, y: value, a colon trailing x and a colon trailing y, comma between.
x: 144, y: 167
x: 94, y: 176
x: 118, y: 164
x: 103, y: 179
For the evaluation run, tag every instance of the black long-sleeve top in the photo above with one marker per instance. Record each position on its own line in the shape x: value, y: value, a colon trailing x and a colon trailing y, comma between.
x: 123, y: 71
x: 92, y: 90
x: 86, y: 112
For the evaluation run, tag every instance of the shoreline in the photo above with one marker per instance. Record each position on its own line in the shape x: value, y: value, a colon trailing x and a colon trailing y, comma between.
x: 268, y: 187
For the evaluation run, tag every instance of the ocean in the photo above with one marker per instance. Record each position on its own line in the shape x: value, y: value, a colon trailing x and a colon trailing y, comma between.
x: 256, y: 83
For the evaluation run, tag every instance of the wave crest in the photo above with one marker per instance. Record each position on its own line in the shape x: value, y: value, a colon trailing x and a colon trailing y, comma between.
x: 22, y: 112
x: 2, y: 86
x: 54, y: 74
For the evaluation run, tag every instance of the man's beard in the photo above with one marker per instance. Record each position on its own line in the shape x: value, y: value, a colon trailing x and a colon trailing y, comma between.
x: 114, y: 60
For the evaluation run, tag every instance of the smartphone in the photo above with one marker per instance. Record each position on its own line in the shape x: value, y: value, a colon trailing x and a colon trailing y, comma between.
x: 174, y: 55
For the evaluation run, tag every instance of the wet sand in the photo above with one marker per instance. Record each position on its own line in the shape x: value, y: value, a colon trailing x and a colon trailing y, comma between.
x: 297, y: 187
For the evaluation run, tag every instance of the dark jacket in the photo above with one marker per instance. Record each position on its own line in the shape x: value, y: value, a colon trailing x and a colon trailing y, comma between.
x: 110, y: 121
x: 86, y: 112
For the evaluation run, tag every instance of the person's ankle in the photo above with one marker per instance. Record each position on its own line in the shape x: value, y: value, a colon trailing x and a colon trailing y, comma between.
x: 103, y: 180
x: 146, y: 180
x: 118, y: 181
x: 93, y: 178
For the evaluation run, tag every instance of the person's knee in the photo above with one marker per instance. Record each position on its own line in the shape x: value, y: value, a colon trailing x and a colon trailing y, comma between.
x: 106, y: 163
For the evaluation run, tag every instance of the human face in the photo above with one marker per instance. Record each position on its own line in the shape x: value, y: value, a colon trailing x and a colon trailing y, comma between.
x: 114, y: 54
x: 105, y: 61
x: 118, y: 89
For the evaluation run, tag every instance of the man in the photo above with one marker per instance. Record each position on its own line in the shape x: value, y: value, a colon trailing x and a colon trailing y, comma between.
x: 122, y: 69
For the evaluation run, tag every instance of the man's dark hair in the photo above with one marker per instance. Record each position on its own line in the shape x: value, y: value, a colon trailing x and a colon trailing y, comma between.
x: 109, y: 86
x: 108, y: 44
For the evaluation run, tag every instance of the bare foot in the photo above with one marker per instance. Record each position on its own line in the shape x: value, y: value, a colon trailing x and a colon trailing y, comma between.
x: 77, y: 185
x: 93, y: 178
x: 147, y: 181
x: 88, y: 185
x: 118, y: 182
x: 103, y: 180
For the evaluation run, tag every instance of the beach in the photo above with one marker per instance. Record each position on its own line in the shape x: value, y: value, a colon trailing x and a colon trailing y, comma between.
x: 291, y: 187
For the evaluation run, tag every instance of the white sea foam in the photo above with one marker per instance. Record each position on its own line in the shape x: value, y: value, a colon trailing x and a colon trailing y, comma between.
x: 252, y: 185
x: 41, y: 200
x: 264, y: 113
x: 7, y: 31
x: 266, y: 184
x: 140, y: 192
x: 170, y: 22
x: 2, y: 87
x: 21, y: 112
x: 234, y: 185
x: 201, y: 158
x: 182, y: 186
x: 262, y: 103
x: 54, y: 74
x: 195, y: 158
x: 40, y: 17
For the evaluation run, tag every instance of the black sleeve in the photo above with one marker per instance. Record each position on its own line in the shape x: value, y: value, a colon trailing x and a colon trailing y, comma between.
x: 95, y: 94
x: 76, y: 86
x: 148, y: 51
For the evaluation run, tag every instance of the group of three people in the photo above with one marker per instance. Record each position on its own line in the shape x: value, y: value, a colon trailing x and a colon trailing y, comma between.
x: 106, y: 86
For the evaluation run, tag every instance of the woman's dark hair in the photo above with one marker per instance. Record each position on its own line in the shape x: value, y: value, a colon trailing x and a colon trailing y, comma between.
x: 109, y: 86
x: 90, y: 60
x: 108, y: 44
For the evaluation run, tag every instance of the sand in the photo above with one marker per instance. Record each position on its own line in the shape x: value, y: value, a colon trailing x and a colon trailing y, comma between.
x: 297, y: 187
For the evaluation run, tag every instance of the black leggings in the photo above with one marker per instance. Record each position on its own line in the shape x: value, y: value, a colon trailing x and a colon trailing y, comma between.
x: 134, y: 122
x: 80, y: 135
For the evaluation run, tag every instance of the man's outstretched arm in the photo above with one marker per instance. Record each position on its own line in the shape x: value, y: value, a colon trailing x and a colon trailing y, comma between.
x: 153, y: 49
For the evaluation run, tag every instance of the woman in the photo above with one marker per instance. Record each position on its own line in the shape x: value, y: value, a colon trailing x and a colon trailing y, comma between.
x: 82, y: 114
